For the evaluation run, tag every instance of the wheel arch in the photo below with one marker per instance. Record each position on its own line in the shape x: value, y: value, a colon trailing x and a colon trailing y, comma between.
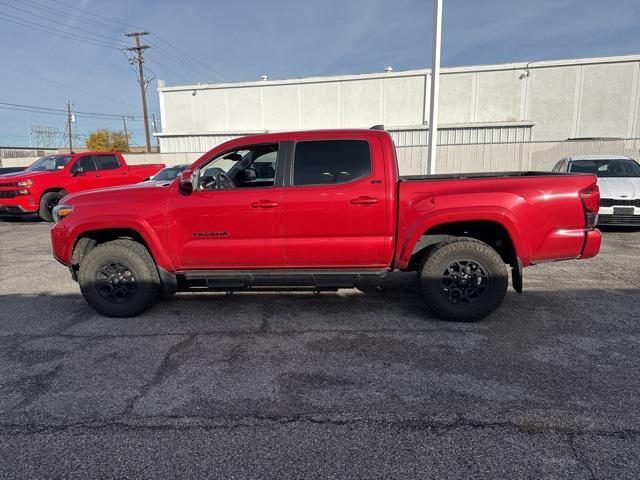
x: 495, y: 228
x: 52, y: 190
x: 89, y: 238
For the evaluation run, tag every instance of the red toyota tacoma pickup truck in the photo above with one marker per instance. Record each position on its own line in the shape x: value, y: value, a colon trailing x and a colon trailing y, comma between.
x: 321, y: 210
x: 40, y: 186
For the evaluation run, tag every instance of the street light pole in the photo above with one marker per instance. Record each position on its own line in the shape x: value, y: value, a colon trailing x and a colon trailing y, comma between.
x: 435, y: 86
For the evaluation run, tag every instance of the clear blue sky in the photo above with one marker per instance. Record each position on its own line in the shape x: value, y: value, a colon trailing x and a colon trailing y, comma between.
x: 243, y: 39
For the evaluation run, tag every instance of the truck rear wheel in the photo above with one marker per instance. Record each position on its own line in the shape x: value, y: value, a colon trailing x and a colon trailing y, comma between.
x: 47, y: 203
x: 119, y: 278
x: 463, y: 279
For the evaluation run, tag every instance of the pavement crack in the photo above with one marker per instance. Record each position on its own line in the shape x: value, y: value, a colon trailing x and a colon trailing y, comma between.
x: 165, y: 367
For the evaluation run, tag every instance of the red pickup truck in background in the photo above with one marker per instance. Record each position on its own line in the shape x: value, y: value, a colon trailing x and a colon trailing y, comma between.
x: 40, y: 186
x: 321, y: 210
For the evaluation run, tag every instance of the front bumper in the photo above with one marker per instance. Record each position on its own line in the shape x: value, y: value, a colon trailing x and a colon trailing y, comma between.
x: 18, y: 205
x: 61, y: 243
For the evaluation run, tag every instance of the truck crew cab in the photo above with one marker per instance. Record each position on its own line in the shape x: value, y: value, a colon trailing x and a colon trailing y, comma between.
x: 321, y: 210
x: 39, y: 187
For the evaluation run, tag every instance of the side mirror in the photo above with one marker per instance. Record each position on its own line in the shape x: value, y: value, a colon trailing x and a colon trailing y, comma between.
x: 77, y: 171
x: 186, y: 183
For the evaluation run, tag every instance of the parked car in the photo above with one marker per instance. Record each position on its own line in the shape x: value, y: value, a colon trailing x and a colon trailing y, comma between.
x: 619, y: 182
x: 4, y: 170
x: 169, y: 174
x: 39, y: 187
x: 321, y: 210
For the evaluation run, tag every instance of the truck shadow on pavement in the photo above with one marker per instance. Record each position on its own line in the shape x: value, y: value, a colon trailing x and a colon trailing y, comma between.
x: 396, y: 304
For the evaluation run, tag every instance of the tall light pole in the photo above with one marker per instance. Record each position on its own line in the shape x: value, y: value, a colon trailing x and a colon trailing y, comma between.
x: 435, y: 86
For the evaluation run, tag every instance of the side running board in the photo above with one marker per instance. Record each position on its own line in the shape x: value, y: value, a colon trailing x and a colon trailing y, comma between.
x: 285, y: 279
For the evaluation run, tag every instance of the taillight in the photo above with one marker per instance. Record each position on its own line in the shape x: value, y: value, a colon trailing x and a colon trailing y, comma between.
x: 591, y: 201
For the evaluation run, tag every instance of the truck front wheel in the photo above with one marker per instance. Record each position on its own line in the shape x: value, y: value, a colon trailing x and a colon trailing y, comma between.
x: 47, y: 203
x: 119, y: 278
x: 463, y: 279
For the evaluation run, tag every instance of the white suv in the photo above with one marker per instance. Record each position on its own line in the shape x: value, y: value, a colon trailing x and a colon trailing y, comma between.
x: 619, y: 182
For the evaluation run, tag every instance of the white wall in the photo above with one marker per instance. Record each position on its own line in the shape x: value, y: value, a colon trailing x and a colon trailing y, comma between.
x: 564, y: 99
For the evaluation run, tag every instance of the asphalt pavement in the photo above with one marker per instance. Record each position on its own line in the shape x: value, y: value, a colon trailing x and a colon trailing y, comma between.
x: 355, y: 384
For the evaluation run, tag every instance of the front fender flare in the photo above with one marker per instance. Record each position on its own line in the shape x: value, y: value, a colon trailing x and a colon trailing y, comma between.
x: 136, y: 224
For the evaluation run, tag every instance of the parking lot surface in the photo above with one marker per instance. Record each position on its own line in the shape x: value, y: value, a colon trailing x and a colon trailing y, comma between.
x: 362, y: 383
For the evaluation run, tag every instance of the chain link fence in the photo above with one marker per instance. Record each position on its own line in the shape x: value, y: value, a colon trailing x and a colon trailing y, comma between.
x: 501, y: 157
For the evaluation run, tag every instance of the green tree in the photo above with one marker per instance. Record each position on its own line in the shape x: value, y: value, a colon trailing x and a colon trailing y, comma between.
x: 108, y: 140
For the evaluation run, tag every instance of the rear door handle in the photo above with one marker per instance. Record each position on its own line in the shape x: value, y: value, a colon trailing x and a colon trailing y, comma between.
x: 364, y: 201
x: 265, y: 204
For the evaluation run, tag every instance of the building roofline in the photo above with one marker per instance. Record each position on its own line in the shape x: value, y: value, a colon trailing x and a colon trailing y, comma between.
x: 442, y: 126
x: 408, y: 73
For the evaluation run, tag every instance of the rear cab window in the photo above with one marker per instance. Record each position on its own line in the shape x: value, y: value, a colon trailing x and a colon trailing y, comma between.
x: 330, y: 162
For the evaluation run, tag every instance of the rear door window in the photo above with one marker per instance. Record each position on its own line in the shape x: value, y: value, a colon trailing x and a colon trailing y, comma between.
x: 86, y: 163
x: 329, y: 162
x: 106, y: 162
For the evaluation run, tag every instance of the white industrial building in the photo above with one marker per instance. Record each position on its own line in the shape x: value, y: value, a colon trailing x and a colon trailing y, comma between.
x: 492, y: 117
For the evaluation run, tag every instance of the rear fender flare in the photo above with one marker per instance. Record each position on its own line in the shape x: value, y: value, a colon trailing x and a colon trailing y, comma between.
x: 501, y: 216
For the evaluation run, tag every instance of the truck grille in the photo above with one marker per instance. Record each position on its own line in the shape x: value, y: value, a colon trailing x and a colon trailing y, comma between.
x: 618, y: 219
x: 611, y: 202
x: 8, y: 184
x: 8, y: 193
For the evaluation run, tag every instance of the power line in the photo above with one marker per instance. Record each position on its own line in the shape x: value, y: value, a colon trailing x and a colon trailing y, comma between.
x: 167, y: 69
x: 60, y: 33
x: 88, y: 92
x: 39, y: 109
x: 195, y: 65
x: 65, y: 14
x: 190, y: 57
x: 93, y: 14
x: 49, y: 19
x: 196, y: 70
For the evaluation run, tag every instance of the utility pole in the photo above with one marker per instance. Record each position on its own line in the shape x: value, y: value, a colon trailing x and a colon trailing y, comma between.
x: 69, y: 126
x: 138, y: 49
x: 155, y: 129
x: 435, y: 85
x: 126, y: 133
x: 29, y: 130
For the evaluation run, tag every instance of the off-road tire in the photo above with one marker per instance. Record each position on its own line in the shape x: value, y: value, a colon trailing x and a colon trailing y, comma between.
x: 137, y: 261
x: 471, y: 252
x: 47, y: 202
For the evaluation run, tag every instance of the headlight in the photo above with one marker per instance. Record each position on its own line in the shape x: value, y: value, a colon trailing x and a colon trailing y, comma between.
x: 61, y: 211
x: 25, y: 183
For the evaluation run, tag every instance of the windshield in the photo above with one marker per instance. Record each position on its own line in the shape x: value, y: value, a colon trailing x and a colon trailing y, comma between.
x: 169, y: 173
x: 49, y: 163
x: 607, y: 168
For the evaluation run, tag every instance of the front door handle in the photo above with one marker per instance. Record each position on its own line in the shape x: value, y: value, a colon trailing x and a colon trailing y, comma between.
x: 364, y: 201
x: 265, y: 204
